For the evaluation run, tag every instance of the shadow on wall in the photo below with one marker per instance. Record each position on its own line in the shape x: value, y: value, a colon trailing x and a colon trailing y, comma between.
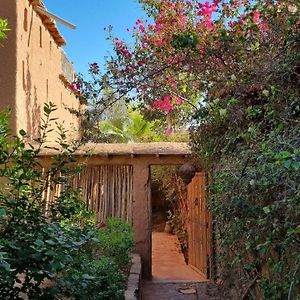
x: 33, y: 109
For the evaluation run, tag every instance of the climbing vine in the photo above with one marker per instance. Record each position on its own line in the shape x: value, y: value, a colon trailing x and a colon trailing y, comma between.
x: 230, y: 71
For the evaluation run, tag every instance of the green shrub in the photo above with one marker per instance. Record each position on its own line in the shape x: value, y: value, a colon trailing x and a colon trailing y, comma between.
x: 52, y: 252
x: 93, y: 279
x: 116, y: 241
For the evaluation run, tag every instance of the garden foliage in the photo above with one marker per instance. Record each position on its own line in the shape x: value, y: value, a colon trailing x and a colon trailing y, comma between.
x: 3, y: 29
x: 236, y: 65
x: 52, y: 250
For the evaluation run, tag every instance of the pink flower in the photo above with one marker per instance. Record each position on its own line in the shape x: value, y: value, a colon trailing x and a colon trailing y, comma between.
x: 75, y: 88
x: 179, y: 101
x: 150, y: 27
x: 206, y: 10
x: 159, y: 43
x: 263, y: 26
x: 169, y: 132
x: 256, y: 17
x: 94, y: 68
x: 167, y: 104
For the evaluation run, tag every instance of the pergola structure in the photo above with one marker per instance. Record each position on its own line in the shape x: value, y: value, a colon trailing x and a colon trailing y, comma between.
x: 140, y: 156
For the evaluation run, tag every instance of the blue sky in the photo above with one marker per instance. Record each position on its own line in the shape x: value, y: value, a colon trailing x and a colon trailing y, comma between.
x: 88, y: 42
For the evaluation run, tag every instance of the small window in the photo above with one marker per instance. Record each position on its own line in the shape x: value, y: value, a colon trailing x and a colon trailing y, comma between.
x: 41, y: 37
x: 25, y: 21
x: 50, y: 48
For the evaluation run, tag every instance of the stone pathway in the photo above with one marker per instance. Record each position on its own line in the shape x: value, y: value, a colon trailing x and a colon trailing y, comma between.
x: 173, y: 291
x: 168, y: 262
x: 172, y: 278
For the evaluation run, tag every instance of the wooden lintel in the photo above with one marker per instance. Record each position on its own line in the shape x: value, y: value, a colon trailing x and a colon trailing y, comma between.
x: 35, y: 2
x: 126, y: 160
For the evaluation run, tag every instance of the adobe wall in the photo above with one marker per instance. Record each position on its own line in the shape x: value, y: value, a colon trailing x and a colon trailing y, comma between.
x: 8, y: 60
x: 36, y: 64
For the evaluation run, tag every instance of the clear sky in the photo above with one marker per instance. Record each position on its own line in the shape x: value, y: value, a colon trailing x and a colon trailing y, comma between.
x: 88, y: 42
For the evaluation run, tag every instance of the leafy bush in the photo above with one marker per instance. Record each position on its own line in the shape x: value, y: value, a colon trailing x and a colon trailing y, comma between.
x: 91, y: 278
x: 116, y: 241
x: 50, y: 250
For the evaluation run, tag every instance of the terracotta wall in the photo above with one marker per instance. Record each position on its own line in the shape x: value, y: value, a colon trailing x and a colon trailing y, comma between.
x: 37, y: 65
x: 8, y: 59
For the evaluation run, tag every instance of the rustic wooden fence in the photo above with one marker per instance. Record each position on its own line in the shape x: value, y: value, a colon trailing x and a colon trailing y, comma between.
x: 199, y: 225
x: 106, y: 189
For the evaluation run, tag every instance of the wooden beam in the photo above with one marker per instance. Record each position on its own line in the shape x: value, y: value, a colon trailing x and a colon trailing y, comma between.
x: 106, y: 159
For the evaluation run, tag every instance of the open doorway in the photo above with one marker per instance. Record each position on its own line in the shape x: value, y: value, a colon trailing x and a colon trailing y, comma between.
x: 170, y: 227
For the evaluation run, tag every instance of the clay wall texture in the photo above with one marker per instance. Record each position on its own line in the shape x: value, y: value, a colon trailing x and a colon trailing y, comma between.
x: 30, y: 65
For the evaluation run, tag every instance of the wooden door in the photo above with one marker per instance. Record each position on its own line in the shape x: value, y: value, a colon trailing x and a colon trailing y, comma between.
x: 199, y: 225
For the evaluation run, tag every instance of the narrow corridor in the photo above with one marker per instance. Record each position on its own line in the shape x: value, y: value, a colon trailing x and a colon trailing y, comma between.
x: 168, y: 262
x: 172, y: 279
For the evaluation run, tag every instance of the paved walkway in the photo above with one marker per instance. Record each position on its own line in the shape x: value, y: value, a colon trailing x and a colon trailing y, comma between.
x: 168, y: 262
x: 172, y: 278
x: 179, y: 291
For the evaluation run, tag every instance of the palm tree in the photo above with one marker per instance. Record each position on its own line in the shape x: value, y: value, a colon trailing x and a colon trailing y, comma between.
x: 126, y: 126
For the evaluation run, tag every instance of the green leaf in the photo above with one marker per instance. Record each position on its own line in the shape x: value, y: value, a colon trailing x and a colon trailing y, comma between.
x: 2, y: 212
x: 223, y: 112
x: 50, y: 253
x: 266, y: 210
x: 50, y: 242
x: 266, y: 93
x: 5, y: 265
x: 39, y: 243
x: 87, y: 276
x: 255, y: 47
x: 22, y: 132
x: 57, y: 266
x: 297, y: 230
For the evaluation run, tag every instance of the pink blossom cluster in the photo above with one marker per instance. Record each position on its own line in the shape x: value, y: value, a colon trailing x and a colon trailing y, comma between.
x: 262, y: 24
x: 94, y: 68
x: 169, y: 131
x: 75, y: 87
x: 167, y: 104
x: 206, y: 11
x: 122, y: 48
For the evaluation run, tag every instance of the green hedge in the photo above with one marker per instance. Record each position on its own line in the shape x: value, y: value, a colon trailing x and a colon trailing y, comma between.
x: 59, y: 252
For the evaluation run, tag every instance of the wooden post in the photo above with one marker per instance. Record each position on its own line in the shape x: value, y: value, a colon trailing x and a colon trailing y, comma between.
x: 142, y: 216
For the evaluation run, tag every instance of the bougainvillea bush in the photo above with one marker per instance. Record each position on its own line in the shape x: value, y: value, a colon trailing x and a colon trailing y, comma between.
x: 52, y: 250
x: 230, y: 71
